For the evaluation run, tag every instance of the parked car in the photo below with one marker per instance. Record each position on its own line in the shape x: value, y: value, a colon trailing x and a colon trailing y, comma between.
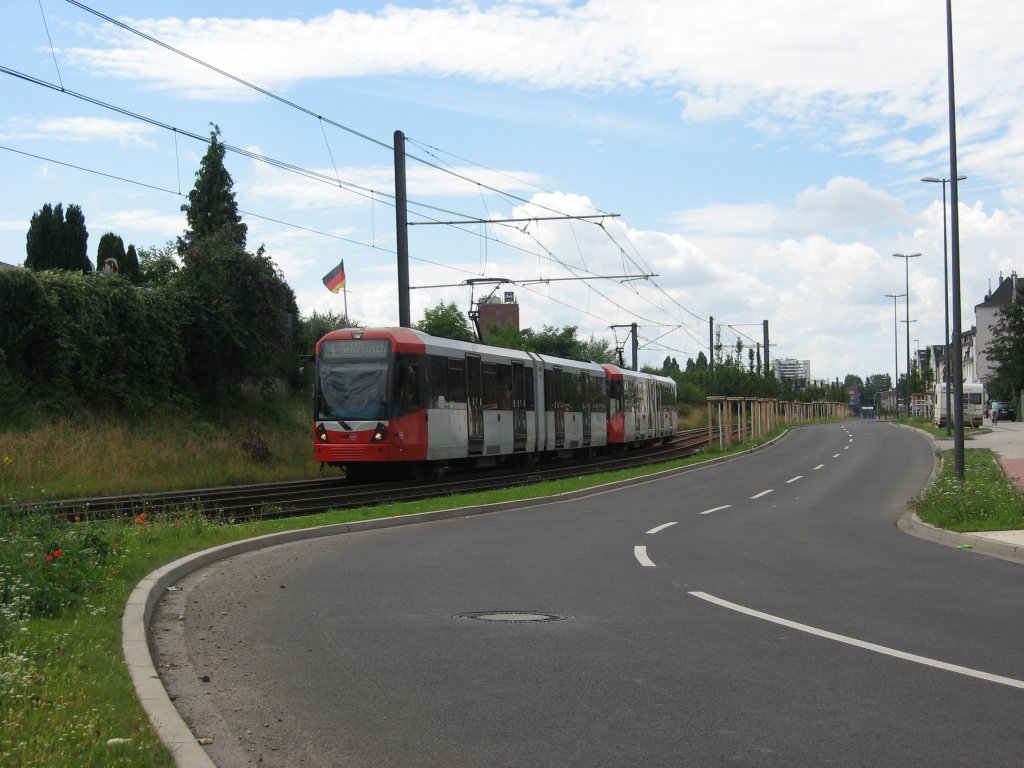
x: 1005, y: 410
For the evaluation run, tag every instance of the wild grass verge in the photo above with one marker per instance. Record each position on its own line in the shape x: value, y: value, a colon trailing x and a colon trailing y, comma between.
x: 985, y: 500
x: 264, y: 439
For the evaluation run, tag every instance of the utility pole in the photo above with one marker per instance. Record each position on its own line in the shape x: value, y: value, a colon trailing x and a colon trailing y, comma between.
x: 767, y: 368
x: 711, y: 343
x: 402, y: 232
x: 636, y: 345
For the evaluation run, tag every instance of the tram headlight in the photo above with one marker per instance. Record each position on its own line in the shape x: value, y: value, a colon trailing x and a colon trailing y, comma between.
x: 379, y: 433
x: 321, y: 433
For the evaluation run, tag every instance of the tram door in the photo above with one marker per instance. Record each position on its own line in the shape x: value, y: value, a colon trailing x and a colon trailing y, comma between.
x: 475, y: 401
x: 518, y: 407
x: 557, y: 405
x: 585, y: 388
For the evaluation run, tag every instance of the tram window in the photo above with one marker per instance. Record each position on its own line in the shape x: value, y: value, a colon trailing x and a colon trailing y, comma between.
x: 438, y: 377
x: 597, y: 396
x: 531, y: 400
x: 505, y: 387
x: 407, y: 384
x: 456, y: 381
x: 615, y: 396
x: 490, y: 373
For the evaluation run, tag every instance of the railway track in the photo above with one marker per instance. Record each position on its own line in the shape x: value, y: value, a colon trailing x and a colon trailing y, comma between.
x: 304, y: 497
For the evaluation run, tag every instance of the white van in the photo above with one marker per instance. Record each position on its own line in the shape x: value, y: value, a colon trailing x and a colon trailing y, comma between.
x: 974, y: 398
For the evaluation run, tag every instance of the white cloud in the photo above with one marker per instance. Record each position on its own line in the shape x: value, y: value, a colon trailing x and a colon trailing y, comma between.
x: 79, y: 129
x: 159, y: 225
x: 861, y: 75
x: 846, y: 207
x: 728, y: 219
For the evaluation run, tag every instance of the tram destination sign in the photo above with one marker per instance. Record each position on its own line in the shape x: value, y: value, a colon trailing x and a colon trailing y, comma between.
x: 361, y: 348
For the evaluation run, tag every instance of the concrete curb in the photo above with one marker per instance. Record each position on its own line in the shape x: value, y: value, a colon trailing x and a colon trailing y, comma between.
x: 1005, y: 550
x: 909, y: 522
x: 172, y: 730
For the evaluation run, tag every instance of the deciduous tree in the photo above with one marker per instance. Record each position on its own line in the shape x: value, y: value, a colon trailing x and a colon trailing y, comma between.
x: 446, y: 320
x: 1006, y: 353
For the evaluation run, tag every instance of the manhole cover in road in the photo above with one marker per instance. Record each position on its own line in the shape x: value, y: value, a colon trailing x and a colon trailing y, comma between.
x: 514, y: 617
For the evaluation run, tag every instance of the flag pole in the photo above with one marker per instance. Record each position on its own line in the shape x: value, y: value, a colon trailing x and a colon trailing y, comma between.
x: 344, y: 293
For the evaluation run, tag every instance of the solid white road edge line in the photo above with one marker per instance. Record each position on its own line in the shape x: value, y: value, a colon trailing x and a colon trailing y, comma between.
x: 863, y: 644
x: 715, y: 509
x: 661, y: 527
x: 641, y: 555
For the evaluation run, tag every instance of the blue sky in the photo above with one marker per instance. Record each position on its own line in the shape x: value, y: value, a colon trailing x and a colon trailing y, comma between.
x: 764, y: 160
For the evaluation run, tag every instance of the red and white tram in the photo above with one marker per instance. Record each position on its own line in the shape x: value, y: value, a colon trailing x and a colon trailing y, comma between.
x: 400, y: 396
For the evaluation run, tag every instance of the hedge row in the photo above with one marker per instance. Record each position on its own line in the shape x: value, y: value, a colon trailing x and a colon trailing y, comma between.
x: 70, y: 341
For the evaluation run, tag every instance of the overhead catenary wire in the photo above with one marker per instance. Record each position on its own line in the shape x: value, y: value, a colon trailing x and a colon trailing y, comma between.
x: 321, y: 118
x: 635, y: 258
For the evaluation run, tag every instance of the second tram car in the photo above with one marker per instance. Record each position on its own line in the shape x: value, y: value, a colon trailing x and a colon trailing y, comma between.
x: 399, y: 396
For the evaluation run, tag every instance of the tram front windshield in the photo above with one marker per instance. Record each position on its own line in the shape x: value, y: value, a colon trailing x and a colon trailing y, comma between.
x: 352, y: 378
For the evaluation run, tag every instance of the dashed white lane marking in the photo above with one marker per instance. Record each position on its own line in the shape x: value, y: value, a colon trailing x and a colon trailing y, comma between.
x: 661, y: 527
x: 1014, y: 683
x: 762, y: 493
x: 794, y: 479
x: 846, y: 447
x: 819, y: 466
x: 641, y: 554
x: 716, y: 509
x: 836, y: 456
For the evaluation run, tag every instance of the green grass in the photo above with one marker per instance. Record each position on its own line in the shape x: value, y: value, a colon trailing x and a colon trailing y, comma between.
x: 927, y: 425
x: 985, y: 500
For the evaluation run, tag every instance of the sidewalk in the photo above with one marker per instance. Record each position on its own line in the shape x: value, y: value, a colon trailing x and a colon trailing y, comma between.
x: 1006, y: 441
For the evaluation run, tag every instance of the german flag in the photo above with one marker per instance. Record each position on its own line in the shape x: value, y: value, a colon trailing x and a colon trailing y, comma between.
x: 335, y: 279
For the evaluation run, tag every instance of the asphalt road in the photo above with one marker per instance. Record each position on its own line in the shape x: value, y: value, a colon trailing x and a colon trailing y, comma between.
x: 764, y: 611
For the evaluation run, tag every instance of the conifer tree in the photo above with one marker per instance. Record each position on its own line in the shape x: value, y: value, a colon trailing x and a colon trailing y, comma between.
x: 57, y: 240
x: 130, y: 268
x: 111, y: 246
x: 211, y: 210
x: 44, y: 244
x: 76, y: 240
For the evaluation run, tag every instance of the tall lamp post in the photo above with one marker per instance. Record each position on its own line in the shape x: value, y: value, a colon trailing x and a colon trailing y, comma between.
x: 895, y: 346
x: 906, y: 261
x: 945, y: 272
x: 958, y: 377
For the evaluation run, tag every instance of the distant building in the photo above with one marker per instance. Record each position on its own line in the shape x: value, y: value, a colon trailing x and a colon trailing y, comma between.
x: 986, y: 316
x: 502, y: 312
x: 969, y: 351
x: 8, y: 266
x: 789, y: 369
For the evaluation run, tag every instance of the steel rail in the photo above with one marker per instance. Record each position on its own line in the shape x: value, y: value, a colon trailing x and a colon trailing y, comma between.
x: 304, y: 497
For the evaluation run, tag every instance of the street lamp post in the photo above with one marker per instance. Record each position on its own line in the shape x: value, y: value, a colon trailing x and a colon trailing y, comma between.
x: 895, y: 346
x: 945, y: 272
x: 906, y: 261
x: 958, y: 377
